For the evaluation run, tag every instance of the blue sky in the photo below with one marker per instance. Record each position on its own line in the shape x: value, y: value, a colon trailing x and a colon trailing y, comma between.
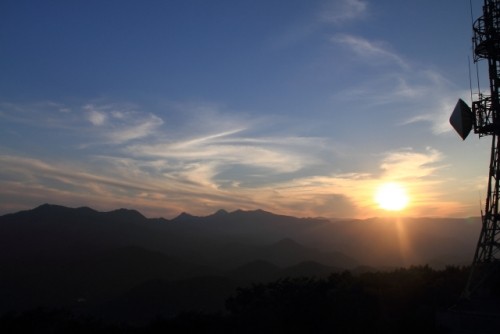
x: 296, y: 107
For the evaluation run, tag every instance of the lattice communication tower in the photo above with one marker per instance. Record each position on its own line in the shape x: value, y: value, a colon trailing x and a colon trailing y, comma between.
x: 484, y: 118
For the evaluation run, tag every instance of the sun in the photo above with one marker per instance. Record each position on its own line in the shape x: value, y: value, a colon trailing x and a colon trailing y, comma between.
x: 391, y: 196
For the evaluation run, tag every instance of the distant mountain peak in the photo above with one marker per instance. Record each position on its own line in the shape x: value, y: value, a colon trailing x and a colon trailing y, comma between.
x: 221, y: 212
x: 250, y: 211
x: 54, y: 209
x: 47, y: 206
x: 128, y: 214
x: 184, y: 216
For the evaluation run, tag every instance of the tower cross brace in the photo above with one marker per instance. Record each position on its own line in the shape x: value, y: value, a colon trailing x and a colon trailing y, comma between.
x: 486, y: 121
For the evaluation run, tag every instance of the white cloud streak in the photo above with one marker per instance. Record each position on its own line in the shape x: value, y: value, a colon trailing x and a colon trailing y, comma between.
x: 372, y: 51
x: 121, y: 123
x: 226, y: 165
x: 169, y: 185
x: 404, y: 164
x: 213, y: 169
x: 276, y: 155
x: 95, y: 117
x: 199, y: 157
x: 139, y: 128
x: 341, y: 11
x: 352, y: 194
x: 421, y: 95
x: 438, y: 116
x: 42, y: 114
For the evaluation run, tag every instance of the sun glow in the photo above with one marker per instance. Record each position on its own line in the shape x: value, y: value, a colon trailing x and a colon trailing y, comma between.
x: 391, y: 196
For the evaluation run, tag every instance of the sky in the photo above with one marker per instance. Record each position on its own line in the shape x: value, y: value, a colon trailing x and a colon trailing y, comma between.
x: 296, y: 107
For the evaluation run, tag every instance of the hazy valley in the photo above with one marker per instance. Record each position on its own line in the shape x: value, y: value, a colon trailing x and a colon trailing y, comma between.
x: 123, y: 266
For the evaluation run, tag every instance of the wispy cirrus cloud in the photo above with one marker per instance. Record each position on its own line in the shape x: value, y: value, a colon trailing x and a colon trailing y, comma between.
x: 352, y: 193
x: 109, y: 123
x: 121, y: 123
x: 420, y: 94
x: 166, y: 186
x: 212, y: 157
x: 213, y: 160
x: 136, y: 128
x: 330, y: 12
x: 341, y: 11
x: 372, y: 51
x: 438, y: 116
x: 42, y: 114
x: 404, y: 164
x: 277, y: 155
x: 167, y: 182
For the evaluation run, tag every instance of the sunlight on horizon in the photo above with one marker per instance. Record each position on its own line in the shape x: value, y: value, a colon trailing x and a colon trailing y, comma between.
x: 391, y: 196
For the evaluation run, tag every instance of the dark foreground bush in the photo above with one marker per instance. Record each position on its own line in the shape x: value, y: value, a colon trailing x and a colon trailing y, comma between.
x: 401, y: 301
x: 405, y: 300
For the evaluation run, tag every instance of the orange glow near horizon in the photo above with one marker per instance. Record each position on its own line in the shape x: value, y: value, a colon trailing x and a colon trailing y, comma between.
x: 391, y: 196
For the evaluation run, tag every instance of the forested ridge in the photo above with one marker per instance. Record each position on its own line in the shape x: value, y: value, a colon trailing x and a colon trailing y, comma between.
x: 402, y: 300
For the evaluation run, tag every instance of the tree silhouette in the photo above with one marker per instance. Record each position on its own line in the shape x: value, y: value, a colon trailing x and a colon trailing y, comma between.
x: 400, y: 301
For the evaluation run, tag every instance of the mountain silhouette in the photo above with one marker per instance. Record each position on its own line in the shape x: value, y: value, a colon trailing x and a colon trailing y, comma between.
x: 91, y: 261
x: 57, y: 231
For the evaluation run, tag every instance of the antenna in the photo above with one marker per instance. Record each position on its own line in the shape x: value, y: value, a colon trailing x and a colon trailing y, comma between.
x: 471, y: 13
x: 481, y: 294
x: 470, y: 79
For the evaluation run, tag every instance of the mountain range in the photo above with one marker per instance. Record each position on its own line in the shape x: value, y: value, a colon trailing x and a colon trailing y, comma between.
x: 122, y: 265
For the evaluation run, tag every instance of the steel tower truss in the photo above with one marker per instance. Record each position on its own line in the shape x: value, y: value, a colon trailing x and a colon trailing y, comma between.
x: 486, y: 42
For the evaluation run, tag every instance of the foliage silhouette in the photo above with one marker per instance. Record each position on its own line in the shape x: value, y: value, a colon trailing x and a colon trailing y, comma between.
x: 403, y: 300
